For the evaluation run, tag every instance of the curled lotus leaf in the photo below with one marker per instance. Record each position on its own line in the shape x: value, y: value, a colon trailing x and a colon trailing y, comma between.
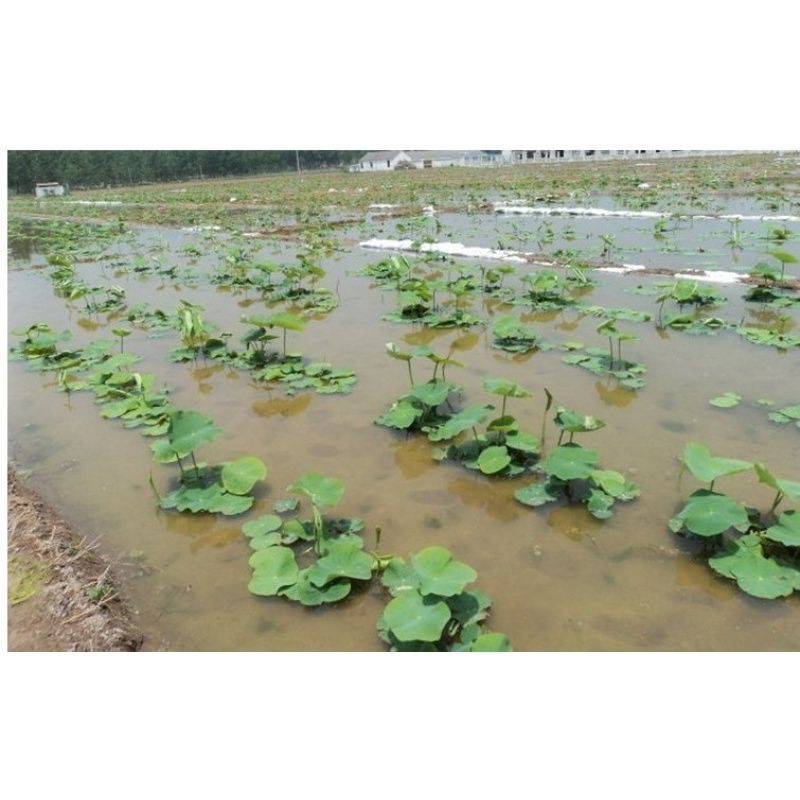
x: 410, y: 617
x: 458, y: 423
x: 273, y: 569
x: 710, y: 514
x: 744, y: 561
x: 239, y: 476
x: 504, y: 388
x: 286, y: 321
x: 787, y: 529
x: 439, y: 573
x: 572, y: 422
x: 393, y: 352
x: 189, y: 429
x: 600, y: 504
x: 493, y: 459
x: 789, y: 488
x: 305, y: 592
x: 571, y: 462
x: 614, y: 484
x: 707, y: 468
x: 320, y: 490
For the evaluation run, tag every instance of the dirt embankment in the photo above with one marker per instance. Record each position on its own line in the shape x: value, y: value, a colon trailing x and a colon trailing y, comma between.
x: 62, y: 594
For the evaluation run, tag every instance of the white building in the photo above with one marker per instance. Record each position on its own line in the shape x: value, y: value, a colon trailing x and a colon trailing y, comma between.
x: 51, y: 189
x: 383, y: 160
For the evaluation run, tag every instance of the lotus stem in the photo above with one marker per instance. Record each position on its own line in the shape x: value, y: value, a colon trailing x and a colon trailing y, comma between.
x: 560, y: 437
x: 196, y: 468
x: 775, y: 502
x: 180, y: 466
x: 410, y: 374
x: 475, y: 433
x: 503, y: 410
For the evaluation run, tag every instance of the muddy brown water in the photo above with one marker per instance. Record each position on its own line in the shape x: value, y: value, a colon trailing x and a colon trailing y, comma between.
x: 559, y: 579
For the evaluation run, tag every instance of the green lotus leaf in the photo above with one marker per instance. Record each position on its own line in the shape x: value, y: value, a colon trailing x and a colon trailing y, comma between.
x: 707, y: 468
x: 188, y: 430
x: 572, y: 422
x: 265, y: 540
x: 600, y: 504
x: 790, y: 488
x: 230, y: 504
x: 792, y: 412
x: 293, y: 530
x: 402, y: 415
x: 303, y: 590
x: 320, y: 490
x: 787, y: 529
x: 504, y: 387
x: 509, y: 327
x: 710, y: 514
x: 493, y: 459
x: 613, y: 483
x: 344, y: 558
x: 536, y: 494
x: 743, y: 560
x: 262, y: 525
x: 523, y: 442
x: 492, y: 643
x: 285, y: 505
x: 469, y: 608
x: 413, y: 618
x: 439, y: 573
x: 399, y: 576
x: 239, y: 477
x: 726, y: 400
x: 503, y: 424
x: 286, y: 321
x: 570, y: 462
x: 273, y: 569
x: 433, y: 393
x: 458, y: 423
x: 393, y: 352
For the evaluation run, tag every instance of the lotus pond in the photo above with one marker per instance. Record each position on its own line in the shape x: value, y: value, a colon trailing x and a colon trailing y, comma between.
x: 291, y: 441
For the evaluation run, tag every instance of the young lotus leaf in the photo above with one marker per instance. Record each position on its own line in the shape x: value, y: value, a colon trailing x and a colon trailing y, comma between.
x: 786, y: 415
x: 399, y: 576
x: 492, y: 643
x: 265, y: 540
x: 743, y: 560
x: 285, y: 505
x: 710, y: 514
x: 212, y: 499
x: 393, y: 352
x: 504, y: 387
x: 188, y: 430
x: 439, y: 573
x: 402, y: 415
x: 433, y: 393
x: 344, y: 558
x: 303, y: 590
x: 469, y: 608
x: 600, y: 504
x: 273, y: 569
x: 320, y: 490
x: 458, y: 423
x: 411, y: 617
x: 262, y: 525
x: 523, y: 442
x: 536, y: 494
x: 571, y: 462
x: 493, y: 459
x: 787, y: 530
x: 789, y: 488
x: 726, y: 400
x: 707, y: 468
x: 572, y: 422
x: 286, y: 321
x: 614, y: 484
x: 239, y: 477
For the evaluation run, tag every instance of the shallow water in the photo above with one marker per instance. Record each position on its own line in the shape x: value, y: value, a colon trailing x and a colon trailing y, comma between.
x: 559, y: 579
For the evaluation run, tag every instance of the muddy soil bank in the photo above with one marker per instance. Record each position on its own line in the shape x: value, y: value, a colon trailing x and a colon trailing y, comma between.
x: 62, y: 594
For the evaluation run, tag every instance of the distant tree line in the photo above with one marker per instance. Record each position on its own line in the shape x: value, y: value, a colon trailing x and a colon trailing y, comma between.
x: 87, y: 168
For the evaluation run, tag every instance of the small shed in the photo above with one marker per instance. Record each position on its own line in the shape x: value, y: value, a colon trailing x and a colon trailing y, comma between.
x: 51, y: 189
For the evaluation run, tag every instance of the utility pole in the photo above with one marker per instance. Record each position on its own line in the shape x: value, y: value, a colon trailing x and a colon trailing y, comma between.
x: 297, y: 156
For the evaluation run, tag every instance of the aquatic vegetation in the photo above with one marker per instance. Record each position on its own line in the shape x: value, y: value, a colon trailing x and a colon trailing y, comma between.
x: 683, y: 291
x: 784, y: 257
x: 224, y: 488
x: 726, y: 400
x: 431, y: 609
x: 786, y: 415
x: 512, y: 336
x: 596, y: 360
x: 763, y: 557
x: 572, y: 473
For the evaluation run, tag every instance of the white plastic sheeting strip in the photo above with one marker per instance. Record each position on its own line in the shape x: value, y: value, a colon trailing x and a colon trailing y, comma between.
x: 579, y: 211
x: 448, y: 248
x: 718, y: 276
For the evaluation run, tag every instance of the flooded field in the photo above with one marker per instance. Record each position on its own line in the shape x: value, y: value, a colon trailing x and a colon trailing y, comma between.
x: 559, y: 578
